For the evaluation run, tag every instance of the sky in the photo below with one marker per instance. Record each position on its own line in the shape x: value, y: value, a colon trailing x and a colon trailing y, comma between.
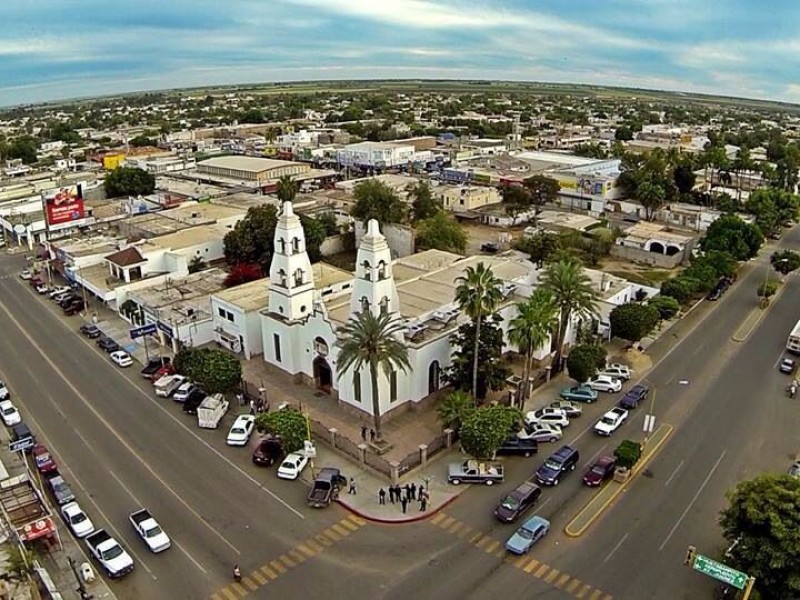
x: 57, y: 49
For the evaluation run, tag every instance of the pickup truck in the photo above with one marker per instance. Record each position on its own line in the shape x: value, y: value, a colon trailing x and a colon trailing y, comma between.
x: 149, y: 530
x: 168, y: 385
x: 326, y: 487
x: 111, y: 556
x: 211, y: 410
x: 611, y: 421
x: 473, y: 471
x: 153, y: 366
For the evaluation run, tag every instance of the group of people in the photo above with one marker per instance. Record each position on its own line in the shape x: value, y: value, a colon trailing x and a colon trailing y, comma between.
x: 404, y: 495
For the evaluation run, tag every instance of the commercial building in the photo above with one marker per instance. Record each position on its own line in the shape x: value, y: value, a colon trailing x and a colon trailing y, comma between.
x: 252, y: 169
x: 381, y: 155
x: 466, y: 197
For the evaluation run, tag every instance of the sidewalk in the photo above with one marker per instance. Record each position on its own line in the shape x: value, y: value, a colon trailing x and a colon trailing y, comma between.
x: 365, y: 502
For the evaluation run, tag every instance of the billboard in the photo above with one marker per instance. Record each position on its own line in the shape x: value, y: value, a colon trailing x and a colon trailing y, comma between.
x: 64, y: 206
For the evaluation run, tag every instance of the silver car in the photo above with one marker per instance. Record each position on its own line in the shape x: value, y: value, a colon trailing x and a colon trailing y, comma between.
x: 541, y: 432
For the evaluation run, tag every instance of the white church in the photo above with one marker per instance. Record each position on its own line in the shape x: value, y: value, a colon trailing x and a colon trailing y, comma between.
x: 308, y: 304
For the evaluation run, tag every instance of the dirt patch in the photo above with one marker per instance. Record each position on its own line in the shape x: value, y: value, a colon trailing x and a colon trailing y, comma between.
x: 635, y: 359
x: 641, y: 274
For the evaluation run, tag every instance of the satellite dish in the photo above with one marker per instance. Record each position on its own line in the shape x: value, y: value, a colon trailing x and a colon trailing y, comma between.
x: 20, y: 229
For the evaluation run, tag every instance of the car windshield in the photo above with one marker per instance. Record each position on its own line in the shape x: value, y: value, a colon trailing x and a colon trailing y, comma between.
x: 288, y: 465
x: 154, y: 531
x: 9, y: 410
x: 552, y: 464
x: 525, y: 533
x: 112, y: 553
x: 510, y: 502
x: 598, y: 470
x: 78, y: 518
x: 43, y: 458
x: 237, y: 430
x: 61, y: 488
x: 607, y: 420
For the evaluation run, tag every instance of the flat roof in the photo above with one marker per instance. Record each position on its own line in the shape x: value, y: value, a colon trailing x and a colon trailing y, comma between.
x: 557, y: 158
x: 186, y: 238
x: 644, y: 231
x: 612, y: 284
x: 565, y: 219
x: 250, y: 296
x: 87, y: 246
x: 199, y: 213
x: 181, y: 290
x: 251, y: 164
x: 190, y: 189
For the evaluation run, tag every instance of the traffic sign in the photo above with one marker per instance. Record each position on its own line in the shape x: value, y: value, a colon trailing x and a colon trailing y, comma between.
x: 22, y: 444
x: 138, y: 332
x: 721, y: 572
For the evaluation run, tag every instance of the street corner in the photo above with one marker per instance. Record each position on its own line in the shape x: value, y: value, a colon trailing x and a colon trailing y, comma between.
x: 392, y: 513
x: 606, y: 495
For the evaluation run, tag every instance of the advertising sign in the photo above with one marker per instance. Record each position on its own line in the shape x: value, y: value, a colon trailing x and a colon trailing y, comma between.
x: 138, y: 332
x: 64, y: 207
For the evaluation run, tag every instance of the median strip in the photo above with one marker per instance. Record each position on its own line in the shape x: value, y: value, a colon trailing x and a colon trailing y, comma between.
x: 606, y: 495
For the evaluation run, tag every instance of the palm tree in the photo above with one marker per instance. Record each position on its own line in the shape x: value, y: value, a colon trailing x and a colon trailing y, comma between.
x: 478, y: 294
x: 287, y: 189
x: 529, y: 330
x: 572, y: 293
x: 367, y: 340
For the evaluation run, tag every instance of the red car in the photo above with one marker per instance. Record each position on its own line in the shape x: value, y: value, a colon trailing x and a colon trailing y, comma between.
x: 44, y: 462
x: 601, y: 471
x: 167, y: 369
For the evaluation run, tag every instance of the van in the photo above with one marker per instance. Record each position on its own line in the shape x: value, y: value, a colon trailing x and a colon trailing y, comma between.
x: 21, y: 431
x: 561, y: 462
x: 513, y: 504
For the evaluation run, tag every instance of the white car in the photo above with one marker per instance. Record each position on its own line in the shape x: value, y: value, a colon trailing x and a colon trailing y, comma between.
x: 77, y: 520
x: 604, y: 383
x: 9, y: 413
x: 26, y: 274
x: 554, y: 416
x: 618, y: 371
x: 5, y: 394
x: 57, y: 291
x: 241, y: 430
x: 573, y: 409
x: 42, y: 288
x: 292, y: 466
x: 183, y: 391
x: 121, y: 358
x: 611, y: 421
x: 541, y: 432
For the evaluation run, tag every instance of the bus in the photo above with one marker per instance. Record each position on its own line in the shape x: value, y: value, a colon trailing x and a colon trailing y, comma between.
x: 793, y: 343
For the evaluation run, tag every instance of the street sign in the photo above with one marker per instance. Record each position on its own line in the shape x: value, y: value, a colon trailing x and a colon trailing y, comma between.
x: 721, y: 572
x: 22, y: 444
x: 138, y: 332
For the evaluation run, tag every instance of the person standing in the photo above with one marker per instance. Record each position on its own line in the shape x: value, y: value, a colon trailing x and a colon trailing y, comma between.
x: 391, y: 494
x: 403, y: 504
x: 364, y: 432
x: 252, y: 407
x: 371, y: 435
x: 423, y: 502
x: 382, y: 496
x: 413, y: 491
x: 352, y: 488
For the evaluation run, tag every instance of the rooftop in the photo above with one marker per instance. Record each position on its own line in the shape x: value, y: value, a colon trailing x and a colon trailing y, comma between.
x: 188, y: 238
x: 250, y: 296
x: 203, y: 212
x: 565, y: 220
x: 177, y: 293
x: 251, y: 164
x: 77, y: 247
x: 606, y: 285
x: 126, y: 257
x: 644, y: 231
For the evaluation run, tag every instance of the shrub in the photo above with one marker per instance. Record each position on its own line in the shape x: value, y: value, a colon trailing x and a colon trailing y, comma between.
x: 628, y: 454
x: 667, y: 306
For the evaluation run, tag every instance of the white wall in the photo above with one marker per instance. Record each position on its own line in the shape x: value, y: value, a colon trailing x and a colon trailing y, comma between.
x: 246, y: 325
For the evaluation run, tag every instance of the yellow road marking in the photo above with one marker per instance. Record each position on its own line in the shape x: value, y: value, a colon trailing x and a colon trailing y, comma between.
x: 491, y: 547
x: 340, y: 530
x: 447, y: 522
x: 542, y: 570
x: 483, y: 541
x: 249, y: 583
x: 239, y: 589
x: 435, y: 520
x: 229, y: 594
x: 501, y: 552
x: 306, y: 550
x: 551, y: 577
x: 357, y: 520
x: 455, y: 527
x: 287, y: 561
x: 595, y: 595
x: 349, y: 524
x: 332, y: 534
x: 258, y: 577
x: 520, y: 560
x: 215, y: 597
x: 583, y: 591
x: 297, y: 555
x: 531, y: 565
x: 573, y: 585
x: 323, y: 540
x: 269, y: 572
x: 314, y: 546
x: 564, y: 579
x: 475, y: 537
x: 277, y: 566
x: 465, y: 531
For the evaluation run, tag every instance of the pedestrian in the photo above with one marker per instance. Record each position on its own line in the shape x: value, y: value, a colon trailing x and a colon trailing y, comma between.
x: 413, y: 491
x: 408, y: 491
x: 382, y: 496
x: 364, y: 432
x: 397, y: 493
x: 403, y: 504
x: 371, y: 435
x: 240, y: 398
x: 352, y: 489
x: 391, y: 494
x: 423, y: 503
x: 252, y: 407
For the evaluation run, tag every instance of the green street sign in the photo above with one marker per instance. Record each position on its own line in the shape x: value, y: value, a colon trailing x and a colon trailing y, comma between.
x: 721, y: 572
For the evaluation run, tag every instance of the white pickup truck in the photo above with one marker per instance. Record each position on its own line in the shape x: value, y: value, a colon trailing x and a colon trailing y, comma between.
x: 149, y: 530
x: 211, y: 411
x: 168, y: 384
x: 111, y: 556
x: 611, y: 421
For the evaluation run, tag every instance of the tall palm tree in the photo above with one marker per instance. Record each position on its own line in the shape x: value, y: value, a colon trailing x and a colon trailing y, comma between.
x: 536, y: 318
x: 478, y: 293
x: 572, y: 293
x: 374, y: 342
x: 287, y: 189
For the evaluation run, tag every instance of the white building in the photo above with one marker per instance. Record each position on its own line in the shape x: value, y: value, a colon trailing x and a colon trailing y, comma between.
x: 381, y: 155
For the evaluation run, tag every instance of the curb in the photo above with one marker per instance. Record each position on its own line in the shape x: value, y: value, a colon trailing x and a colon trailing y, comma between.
x: 386, y: 521
x: 639, y: 467
x: 760, y: 313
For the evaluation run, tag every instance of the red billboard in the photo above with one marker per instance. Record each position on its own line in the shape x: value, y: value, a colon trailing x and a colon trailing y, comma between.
x: 63, y: 206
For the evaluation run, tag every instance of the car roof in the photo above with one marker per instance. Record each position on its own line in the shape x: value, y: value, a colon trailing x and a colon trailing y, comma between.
x: 294, y: 455
x: 605, y: 460
x: 535, y: 521
x: 563, y: 452
x: 525, y: 488
x: 244, y: 419
x: 6, y: 403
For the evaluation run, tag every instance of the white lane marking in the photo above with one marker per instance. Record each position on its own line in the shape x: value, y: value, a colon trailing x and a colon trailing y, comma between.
x: 675, y: 472
x: 113, y: 431
x: 594, y: 457
x: 696, y: 496
x: 172, y: 539
x: 613, y: 551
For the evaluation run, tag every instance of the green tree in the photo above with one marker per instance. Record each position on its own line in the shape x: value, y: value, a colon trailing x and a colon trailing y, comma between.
x: 478, y: 293
x: 652, y: 196
x: 377, y: 344
x: 623, y: 133
x: 722, y: 262
x: 684, y: 179
x: 441, y: 232
x: 763, y: 519
x: 376, y: 200
x: 785, y: 261
x: 251, y: 240
x: 453, y: 408
x: 196, y: 264
x: 628, y: 453
x: 288, y: 424
x: 129, y: 181
x: 213, y: 369
x: 541, y: 246
x: 516, y: 200
x: 329, y: 223
x: 492, y: 370
x: 141, y: 141
x: 423, y: 204
x: 315, y: 234
x: 633, y: 321
x: 536, y: 318
x: 680, y: 288
x: 584, y: 361
x: 287, y: 189
x: 767, y: 289
x: 542, y: 189
x: 730, y: 234
x: 666, y: 306
x: 573, y: 293
x: 23, y: 148
x: 486, y: 428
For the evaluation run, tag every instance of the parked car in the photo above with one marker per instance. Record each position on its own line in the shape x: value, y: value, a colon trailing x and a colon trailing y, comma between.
x: 41, y: 457
x: 153, y: 367
x: 517, y: 502
x: 579, y: 393
x: 604, y: 383
x: 561, y: 462
x: 121, y: 358
x: 526, y: 536
x: 67, y: 299
x: 61, y: 490
x: 35, y: 280
x: 74, y: 307
x: 490, y: 247
x: 5, y: 394
x: 553, y: 416
x: 292, y: 466
x: 90, y: 330
x: 41, y: 288
x: 183, y: 391
x: 168, y: 385
x: 787, y: 366
x: 9, y: 413
x: 194, y: 400
x: 601, y: 471
x: 107, y: 344
x: 25, y: 274
x: 714, y: 294
x: 611, y: 421
x: 59, y: 290
x: 634, y: 396
x: 241, y: 430
x: 518, y: 446
x: 268, y: 451
x: 573, y: 409
x: 77, y: 520
x: 617, y: 371
x: 541, y: 432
